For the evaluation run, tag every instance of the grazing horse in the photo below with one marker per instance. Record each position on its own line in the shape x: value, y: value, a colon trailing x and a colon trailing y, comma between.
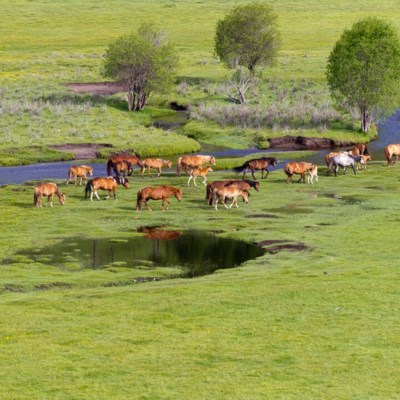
x: 79, y: 171
x: 157, y: 193
x: 155, y: 163
x: 257, y: 164
x: 344, y: 160
x: 195, y: 172
x: 300, y: 168
x: 245, y: 184
x: 230, y: 192
x: 48, y: 189
x: 133, y: 160
x: 124, y: 167
x: 359, y: 149
x: 110, y: 184
x: 390, y: 151
x: 187, y: 162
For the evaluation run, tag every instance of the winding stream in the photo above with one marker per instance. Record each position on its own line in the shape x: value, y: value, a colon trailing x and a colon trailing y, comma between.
x: 389, y: 132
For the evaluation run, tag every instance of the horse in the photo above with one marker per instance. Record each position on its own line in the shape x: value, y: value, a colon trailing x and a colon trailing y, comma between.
x: 187, y: 162
x: 79, y: 171
x: 344, y: 160
x: 390, y: 151
x: 48, y: 189
x: 257, y: 164
x: 300, y: 168
x: 359, y: 149
x: 230, y: 192
x: 133, y: 160
x: 366, y: 158
x: 195, y: 172
x: 313, y: 174
x: 245, y: 184
x: 124, y: 167
x: 155, y: 163
x: 157, y: 193
x: 110, y: 184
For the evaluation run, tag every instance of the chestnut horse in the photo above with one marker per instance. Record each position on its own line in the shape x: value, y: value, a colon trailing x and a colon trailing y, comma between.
x: 257, y: 164
x: 194, y: 173
x: 110, y: 184
x: 155, y: 163
x: 124, y: 167
x: 79, y: 171
x: 359, y: 149
x: 133, y: 160
x: 157, y: 193
x: 187, y: 162
x: 230, y: 192
x: 245, y: 184
x: 300, y: 168
x: 390, y: 151
x: 48, y: 189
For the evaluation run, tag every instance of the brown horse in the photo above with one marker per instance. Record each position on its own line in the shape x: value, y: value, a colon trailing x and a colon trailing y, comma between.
x: 187, y: 162
x: 195, y: 172
x: 366, y: 158
x: 133, y: 160
x: 359, y: 149
x: 157, y: 193
x: 155, y: 163
x: 229, y: 192
x: 300, y: 168
x: 110, y: 184
x: 79, y: 171
x: 257, y: 164
x: 245, y: 184
x: 390, y: 151
x: 124, y: 167
x: 48, y: 189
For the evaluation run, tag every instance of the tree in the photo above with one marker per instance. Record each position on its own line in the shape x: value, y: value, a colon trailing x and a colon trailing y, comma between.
x: 144, y: 62
x: 363, y: 70
x: 248, y: 36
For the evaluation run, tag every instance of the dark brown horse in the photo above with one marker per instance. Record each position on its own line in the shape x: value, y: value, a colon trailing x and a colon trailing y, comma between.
x: 79, y: 171
x: 390, y: 151
x: 157, y: 193
x: 110, y: 184
x: 244, y: 184
x: 48, y: 189
x: 297, y: 168
x: 133, y: 160
x: 257, y: 164
x: 190, y: 162
x: 155, y: 163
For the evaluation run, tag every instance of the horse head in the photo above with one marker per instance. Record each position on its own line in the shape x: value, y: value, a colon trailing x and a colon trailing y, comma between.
x: 212, y: 160
x: 178, y: 194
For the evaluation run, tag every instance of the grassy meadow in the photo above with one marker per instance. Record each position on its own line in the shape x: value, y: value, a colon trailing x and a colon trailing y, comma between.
x: 314, y: 322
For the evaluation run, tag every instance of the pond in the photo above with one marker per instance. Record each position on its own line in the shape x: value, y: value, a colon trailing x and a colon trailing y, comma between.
x: 195, y: 253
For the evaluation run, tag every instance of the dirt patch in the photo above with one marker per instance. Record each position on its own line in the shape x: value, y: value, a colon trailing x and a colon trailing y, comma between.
x: 305, y: 143
x: 54, y: 285
x: 282, y: 245
x: 101, y: 88
x: 84, y: 151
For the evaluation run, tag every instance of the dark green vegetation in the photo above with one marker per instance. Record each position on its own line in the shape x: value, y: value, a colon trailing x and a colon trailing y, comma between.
x: 363, y: 70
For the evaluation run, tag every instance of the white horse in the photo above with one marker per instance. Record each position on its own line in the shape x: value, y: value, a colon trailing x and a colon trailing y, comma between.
x: 344, y: 160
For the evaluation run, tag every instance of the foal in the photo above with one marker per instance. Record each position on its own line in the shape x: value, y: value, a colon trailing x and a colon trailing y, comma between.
x: 230, y: 192
x: 194, y: 173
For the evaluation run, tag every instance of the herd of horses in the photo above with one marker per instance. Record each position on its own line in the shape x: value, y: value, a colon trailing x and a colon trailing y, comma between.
x: 194, y: 166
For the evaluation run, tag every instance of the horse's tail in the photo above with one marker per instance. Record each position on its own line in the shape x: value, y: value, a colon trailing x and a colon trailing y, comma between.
x: 110, y: 166
x: 287, y: 170
x: 387, y: 155
x: 35, y: 197
x: 239, y: 169
x: 366, y: 152
x: 179, y: 166
x: 209, y: 194
x: 88, y: 187
x: 138, y: 200
x: 69, y: 175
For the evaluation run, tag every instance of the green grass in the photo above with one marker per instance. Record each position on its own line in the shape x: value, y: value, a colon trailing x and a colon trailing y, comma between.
x: 311, y: 324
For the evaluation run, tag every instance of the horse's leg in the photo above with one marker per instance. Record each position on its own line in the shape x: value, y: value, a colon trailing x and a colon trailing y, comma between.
x: 96, y: 194
x: 354, y: 169
x: 204, y: 181
x: 109, y: 194
x: 224, y: 202
x: 244, y: 172
x: 252, y: 174
x: 190, y: 178
x: 159, y: 172
x: 345, y: 170
x: 194, y: 181
x: 50, y: 200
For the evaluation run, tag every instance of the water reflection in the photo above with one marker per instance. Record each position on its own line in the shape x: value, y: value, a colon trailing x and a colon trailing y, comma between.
x: 195, y: 253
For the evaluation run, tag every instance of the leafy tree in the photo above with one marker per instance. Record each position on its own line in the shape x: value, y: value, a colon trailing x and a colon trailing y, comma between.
x: 144, y: 62
x: 248, y: 36
x: 363, y: 69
